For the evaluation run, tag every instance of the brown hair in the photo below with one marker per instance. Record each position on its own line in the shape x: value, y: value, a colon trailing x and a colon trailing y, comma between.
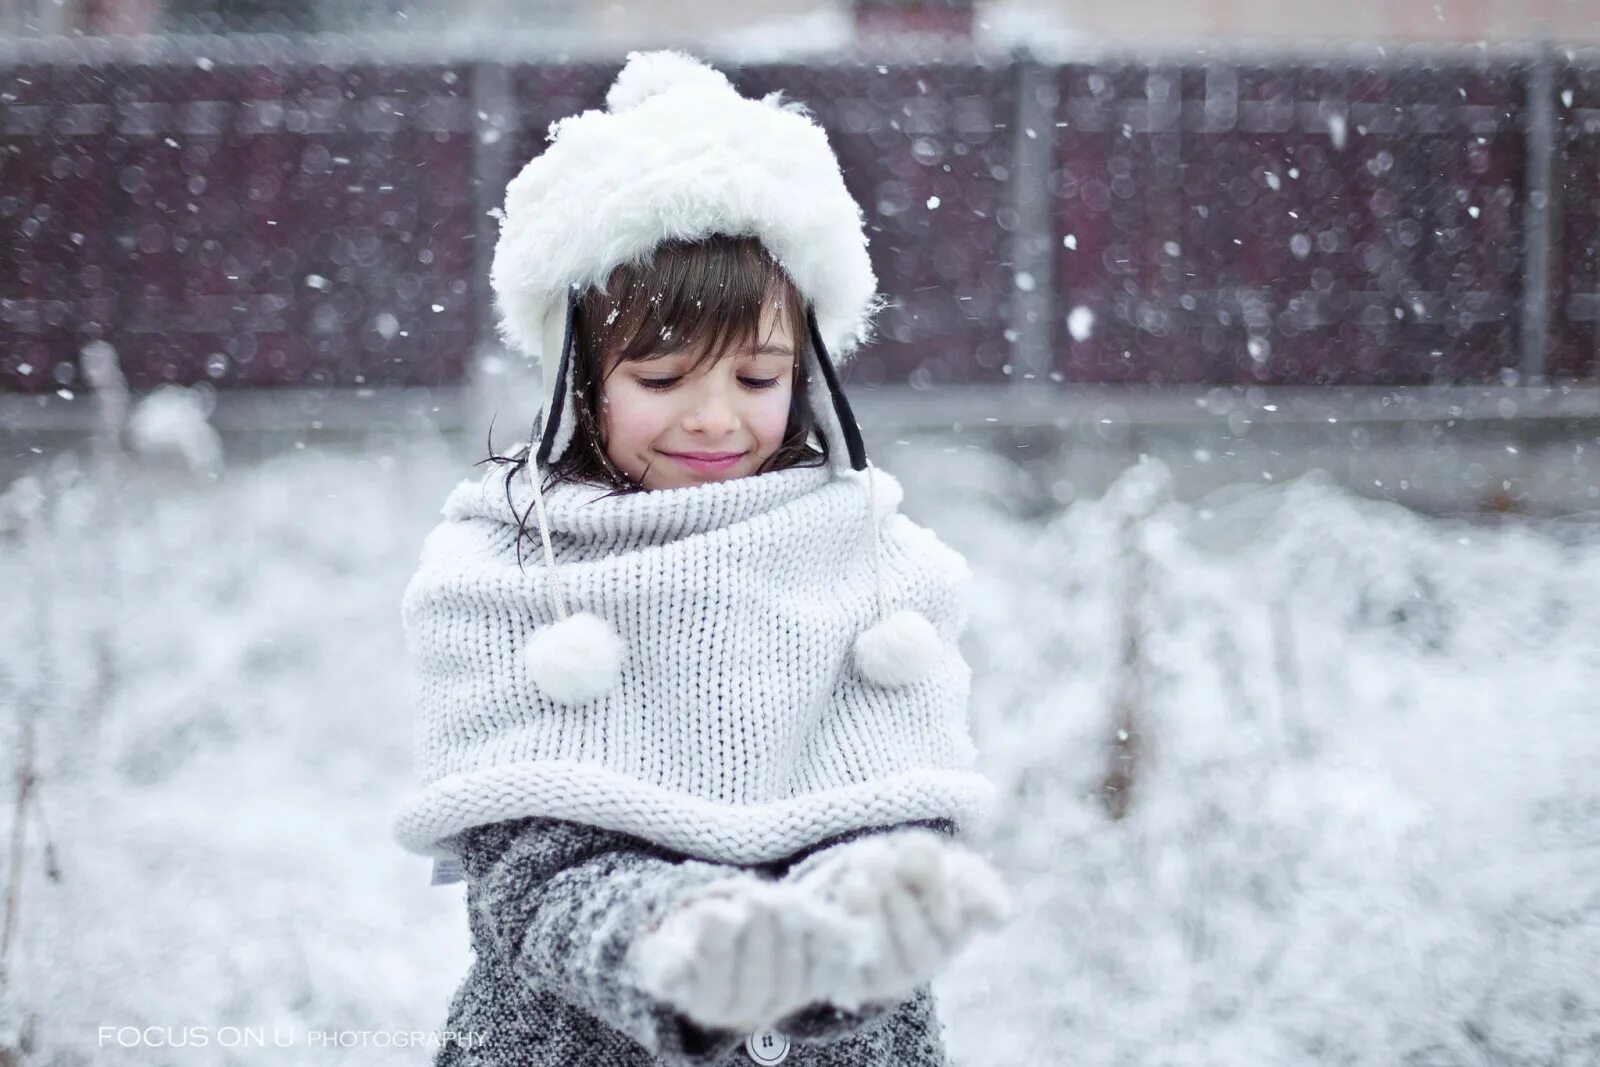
x: 711, y: 291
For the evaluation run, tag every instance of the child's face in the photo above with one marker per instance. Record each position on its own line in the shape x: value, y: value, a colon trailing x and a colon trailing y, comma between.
x: 666, y: 427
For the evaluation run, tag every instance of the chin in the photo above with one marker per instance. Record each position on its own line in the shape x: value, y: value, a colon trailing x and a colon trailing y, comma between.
x: 681, y: 478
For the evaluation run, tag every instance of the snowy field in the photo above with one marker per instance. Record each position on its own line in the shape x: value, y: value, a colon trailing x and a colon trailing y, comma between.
x: 1363, y: 824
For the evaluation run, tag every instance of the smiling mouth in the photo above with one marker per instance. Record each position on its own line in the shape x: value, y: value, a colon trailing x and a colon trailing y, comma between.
x: 705, y: 461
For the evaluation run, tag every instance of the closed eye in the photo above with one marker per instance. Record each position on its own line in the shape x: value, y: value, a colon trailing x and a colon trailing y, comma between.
x: 663, y: 384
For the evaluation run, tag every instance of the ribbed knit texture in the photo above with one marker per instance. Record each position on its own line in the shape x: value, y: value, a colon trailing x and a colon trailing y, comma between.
x: 555, y: 907
x: 741, y: 730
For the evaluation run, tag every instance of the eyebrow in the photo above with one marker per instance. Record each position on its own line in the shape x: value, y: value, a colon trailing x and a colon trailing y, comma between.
x: 764, y: 350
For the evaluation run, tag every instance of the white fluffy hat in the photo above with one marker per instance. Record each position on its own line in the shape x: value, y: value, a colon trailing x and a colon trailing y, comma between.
x: 677, y: 154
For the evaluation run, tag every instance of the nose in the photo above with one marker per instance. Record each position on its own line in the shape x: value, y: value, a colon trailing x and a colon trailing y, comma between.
x: 712, y: 413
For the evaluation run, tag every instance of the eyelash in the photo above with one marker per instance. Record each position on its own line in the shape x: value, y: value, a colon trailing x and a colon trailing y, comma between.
x: 661, y: 385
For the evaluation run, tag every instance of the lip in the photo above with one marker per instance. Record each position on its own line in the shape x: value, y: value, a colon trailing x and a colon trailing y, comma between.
x: 706, y: 462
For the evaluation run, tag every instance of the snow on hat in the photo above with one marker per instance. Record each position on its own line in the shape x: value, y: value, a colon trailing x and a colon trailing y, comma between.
x: 679, y: 154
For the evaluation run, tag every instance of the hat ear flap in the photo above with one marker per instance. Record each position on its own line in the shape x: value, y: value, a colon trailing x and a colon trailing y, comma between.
x: 557, y: 431
x: 843, y: 417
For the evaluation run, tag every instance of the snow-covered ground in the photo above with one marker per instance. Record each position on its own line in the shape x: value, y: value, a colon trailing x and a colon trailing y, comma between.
x: 1364, y: 824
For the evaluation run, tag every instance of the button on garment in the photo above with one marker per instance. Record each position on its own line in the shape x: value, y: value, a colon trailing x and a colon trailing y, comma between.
x: 767, y: 1046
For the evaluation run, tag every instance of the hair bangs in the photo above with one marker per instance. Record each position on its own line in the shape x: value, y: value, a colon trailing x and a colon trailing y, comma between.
x: 707, y: 294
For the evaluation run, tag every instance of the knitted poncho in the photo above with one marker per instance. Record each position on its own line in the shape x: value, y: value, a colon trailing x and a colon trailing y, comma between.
x: 741, y: 729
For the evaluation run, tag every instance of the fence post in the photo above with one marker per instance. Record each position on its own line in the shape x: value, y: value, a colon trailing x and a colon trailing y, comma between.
x: 499, y: 392
x: 1032, y: 246
x: 1539, y: 133
x: 495, y: 130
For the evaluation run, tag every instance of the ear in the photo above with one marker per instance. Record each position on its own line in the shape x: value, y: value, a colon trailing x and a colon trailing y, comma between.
x: 558, y: 402
x: 845, y: 418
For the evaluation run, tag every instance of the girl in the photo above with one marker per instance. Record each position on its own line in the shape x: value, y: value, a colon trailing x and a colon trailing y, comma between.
x: 702, y: 756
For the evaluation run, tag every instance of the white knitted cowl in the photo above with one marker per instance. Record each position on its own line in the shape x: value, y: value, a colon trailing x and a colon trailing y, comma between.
x: 741, y: 729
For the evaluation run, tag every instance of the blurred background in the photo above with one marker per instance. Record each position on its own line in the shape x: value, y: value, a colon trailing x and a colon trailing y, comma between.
x: 1250, y: 351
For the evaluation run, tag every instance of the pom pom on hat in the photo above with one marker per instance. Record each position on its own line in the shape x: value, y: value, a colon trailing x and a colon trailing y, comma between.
x: 897, y: 650
x: 649, y: 73
x: 575, y: 660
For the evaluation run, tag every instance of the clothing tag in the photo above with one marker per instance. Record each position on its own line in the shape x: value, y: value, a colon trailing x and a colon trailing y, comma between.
x: 446, y: 871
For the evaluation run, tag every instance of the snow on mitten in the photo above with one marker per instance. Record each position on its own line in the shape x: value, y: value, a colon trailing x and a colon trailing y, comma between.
x: 742, y: 954
x: 921, y: 898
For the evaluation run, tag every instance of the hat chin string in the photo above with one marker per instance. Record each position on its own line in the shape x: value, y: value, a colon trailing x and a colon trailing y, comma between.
x: 578, y: 658
x: 903, y: 646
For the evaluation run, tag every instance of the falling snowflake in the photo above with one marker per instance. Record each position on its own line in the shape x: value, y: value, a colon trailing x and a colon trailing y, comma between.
x: 1080, y: 323
x: 1337, y: 130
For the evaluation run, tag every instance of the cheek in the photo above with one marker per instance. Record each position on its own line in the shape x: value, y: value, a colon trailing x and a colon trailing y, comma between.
x: 770, y: 416
x: 631, y: 418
